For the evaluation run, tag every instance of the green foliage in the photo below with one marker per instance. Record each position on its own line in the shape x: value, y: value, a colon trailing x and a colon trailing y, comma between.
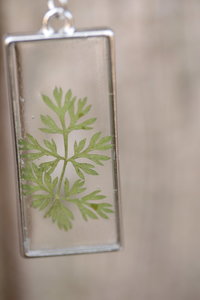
x: 55, y: 195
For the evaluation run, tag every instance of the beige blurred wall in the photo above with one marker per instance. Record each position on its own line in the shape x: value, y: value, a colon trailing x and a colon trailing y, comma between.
x: 158, y: 72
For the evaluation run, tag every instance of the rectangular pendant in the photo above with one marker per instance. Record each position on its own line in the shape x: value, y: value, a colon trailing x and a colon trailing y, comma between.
x: 62, y: 94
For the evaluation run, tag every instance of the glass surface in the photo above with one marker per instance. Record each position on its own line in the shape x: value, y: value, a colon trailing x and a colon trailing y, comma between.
x: 58, y: 149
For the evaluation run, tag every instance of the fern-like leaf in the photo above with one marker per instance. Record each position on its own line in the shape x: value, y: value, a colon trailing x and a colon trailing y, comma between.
x: 52, y: 194
x: 61, y: 215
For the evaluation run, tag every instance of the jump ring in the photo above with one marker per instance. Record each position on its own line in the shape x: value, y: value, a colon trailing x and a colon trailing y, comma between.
x: 61, y: 3
x: 63, y: 14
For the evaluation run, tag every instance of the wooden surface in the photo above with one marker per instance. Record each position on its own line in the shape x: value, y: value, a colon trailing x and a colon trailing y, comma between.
x: 158, y: 72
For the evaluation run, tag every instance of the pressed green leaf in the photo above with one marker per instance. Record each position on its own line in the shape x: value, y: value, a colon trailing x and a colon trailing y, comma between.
x: 38, y: 172
x: 49, y: 166
x: 27, y: 174
x: 48, y: 145
x: 87, y: 213
x: 75, y: 147
x: 87, y: 168
x: 105, y: 206
x: 29, y: 143
x: 103, y: 147
x: 31, y: 139
x: 48, y: 180
x: 40, y: 196
x: 21, y: 142
x: 51, y: 145
x: 79, y: 147
x: 49, y: 122
x: 103, y: 209
x: 94, y: 139
x: 46, y: 130
x: 77, y: 187
x: 102, y: 214
x: 71, y: 110
x: 91, y: 172
x: 93, y: 196
x: 81, y: 104
x: 85, y: 124
x: 66, y: 186
x: 84, y: 215
x: 67, y: 101
x: 53, y: 166
x: 50, y: 104
x: 36, y: 169
x: 105, y: 140
x: 41, y: 202
x: 82, y: 111
x: 78, y: 171
x: 54, y: 183
x: 97, y: 158
x: 29, y: 189
x: 32, y: 156
x: 54, y: 145
x: 86, y: 110
x: 107, y: 210
x: 57, y: 92
x: 27, y: 146
x: 38, y: 182
x: 61, y: 215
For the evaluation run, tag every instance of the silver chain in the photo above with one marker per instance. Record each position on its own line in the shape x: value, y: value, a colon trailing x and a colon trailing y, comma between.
x: 58, y: 9
x: 59, y: 3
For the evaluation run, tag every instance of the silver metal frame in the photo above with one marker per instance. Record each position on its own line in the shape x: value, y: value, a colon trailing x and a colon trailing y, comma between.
x: 10, y: 41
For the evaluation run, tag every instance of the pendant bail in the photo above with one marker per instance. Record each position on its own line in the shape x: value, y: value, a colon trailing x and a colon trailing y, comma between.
x: 60, y: 12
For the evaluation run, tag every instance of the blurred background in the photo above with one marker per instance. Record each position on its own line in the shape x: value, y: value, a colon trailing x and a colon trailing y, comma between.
x: 158, y: 76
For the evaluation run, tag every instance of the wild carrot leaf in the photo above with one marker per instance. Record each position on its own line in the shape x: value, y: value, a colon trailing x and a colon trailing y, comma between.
x: 52, y: 127
x: 57, y: 92
x: 61, y: 215
x: 51, y: 193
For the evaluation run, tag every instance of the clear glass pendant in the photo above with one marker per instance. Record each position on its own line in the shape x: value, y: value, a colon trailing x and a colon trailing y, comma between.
x: 62, y: 91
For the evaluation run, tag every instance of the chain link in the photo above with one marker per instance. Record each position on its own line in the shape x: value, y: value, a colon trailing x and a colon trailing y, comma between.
x: 59, y: 3
x: 58, y: 9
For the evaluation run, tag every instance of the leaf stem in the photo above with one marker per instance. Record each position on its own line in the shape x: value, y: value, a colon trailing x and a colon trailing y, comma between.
x: 65, y: 139
x: 61, y: 177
